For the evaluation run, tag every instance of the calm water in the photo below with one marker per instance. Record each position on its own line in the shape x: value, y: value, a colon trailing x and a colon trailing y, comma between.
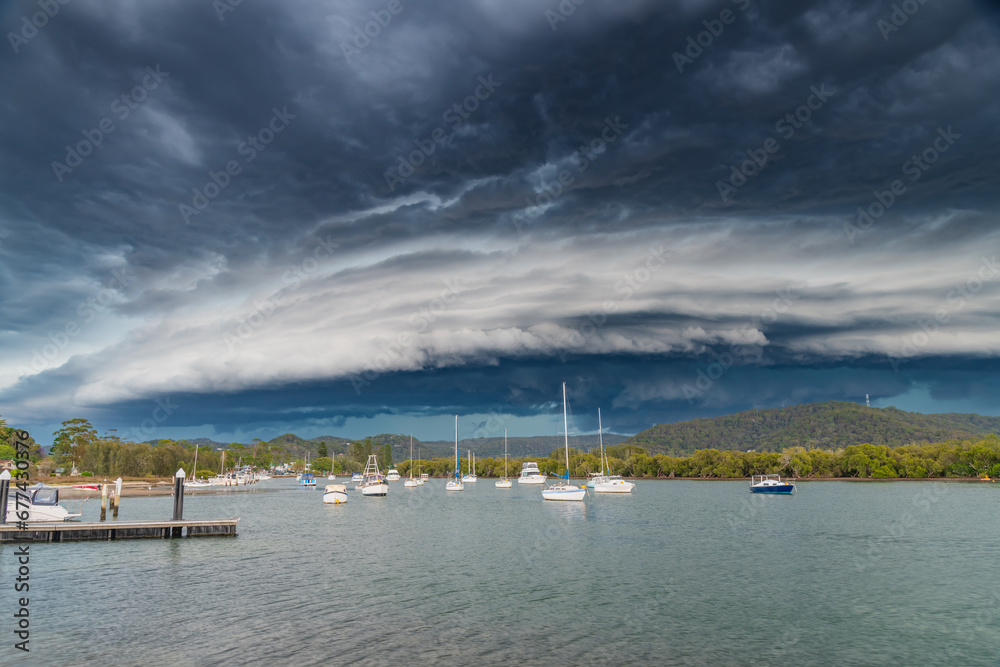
x: 679, y: 573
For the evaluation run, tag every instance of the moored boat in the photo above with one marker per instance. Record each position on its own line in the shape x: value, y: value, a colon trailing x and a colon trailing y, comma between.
x: 770, y: 484
x: 373, y: 482
x: 455, y: 484
x: 530, y: 474
x: 504, y: 482
x: 335, y: 494
x: 564, y: 490
x: 38, y: 503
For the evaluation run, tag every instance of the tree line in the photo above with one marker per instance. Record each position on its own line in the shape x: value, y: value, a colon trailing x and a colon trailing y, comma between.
x: 78, y: 444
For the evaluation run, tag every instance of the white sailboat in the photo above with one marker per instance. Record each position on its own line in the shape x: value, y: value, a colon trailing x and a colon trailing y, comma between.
x: 333, y: 460
x: 504, y: 482
x: 471, y: 477
x: 564, y: 490
x: 455, y: 484
x: 373, y: 482
x: 423, y: 476
x: 608, y: 483
x: 194, y: 482
x: 411, y: 483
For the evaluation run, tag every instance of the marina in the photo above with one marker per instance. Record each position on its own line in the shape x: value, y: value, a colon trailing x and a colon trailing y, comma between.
x: 671, y: 575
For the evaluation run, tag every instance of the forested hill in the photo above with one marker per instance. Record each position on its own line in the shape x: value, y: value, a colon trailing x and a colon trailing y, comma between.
x: 830, y: 425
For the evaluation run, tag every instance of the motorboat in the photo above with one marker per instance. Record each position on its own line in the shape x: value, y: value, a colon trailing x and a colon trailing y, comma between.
x: 308, y: 479
x: 39, y: 503
x: 456, y: 484
x: 424, y: 477
x: 530, y: 474
x: 373, y: 482
x: 335, y: 494
x: 564, y: 490
x: 392, y: 475
x: 770, y: 484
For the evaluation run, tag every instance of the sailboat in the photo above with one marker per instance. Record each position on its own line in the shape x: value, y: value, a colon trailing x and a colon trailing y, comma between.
x: 194, y: 482
x: 608, y: 483
x: 423, y: 476
x: 564, y: 490
x: 333, y: 460
x: 373, y: 482
x: 471, y: 477
x: 410, y: 483
x: 504, y: 482
x: 455, y: 484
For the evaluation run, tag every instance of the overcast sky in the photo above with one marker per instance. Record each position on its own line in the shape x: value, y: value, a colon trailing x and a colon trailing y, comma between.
x: 239, y: 220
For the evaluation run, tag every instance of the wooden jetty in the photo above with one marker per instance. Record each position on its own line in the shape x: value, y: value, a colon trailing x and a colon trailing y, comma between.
x: 68, y: 531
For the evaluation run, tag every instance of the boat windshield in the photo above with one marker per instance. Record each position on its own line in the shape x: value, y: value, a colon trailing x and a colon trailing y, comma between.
x: 46, y: 497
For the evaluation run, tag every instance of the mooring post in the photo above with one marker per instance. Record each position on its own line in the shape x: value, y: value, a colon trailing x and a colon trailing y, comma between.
x: 117, y: 498
x: 4, y: 492
x: 179, y: 495
x: 104, y: 502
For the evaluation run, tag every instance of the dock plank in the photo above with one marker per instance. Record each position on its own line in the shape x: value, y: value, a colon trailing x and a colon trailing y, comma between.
x: 68, y: 531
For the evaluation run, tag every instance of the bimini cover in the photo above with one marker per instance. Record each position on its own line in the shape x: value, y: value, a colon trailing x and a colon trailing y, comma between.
x: 46, y: 497
x: 335, y: 488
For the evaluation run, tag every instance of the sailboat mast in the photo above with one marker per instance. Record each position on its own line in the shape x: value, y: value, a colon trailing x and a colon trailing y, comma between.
x: 457, y: 471
x: 600, y: 430
x: 505, y: 452
x: 411, y: 456
x: 566, y: 430
x: 195, y: 475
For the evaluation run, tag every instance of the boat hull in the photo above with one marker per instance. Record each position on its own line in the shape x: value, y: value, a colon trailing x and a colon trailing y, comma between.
x: 335, y: 498
x: 608, y: 487
x: 572, y: 493
x: 454, y: 486
x: 503, y: 483
x: 411, y: 483
x: 533, y: 479
x: 773, y: 490
x: 375, y: 490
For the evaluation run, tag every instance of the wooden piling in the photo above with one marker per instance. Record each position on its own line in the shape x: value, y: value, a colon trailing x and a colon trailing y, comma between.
x: 104, y: 502
x: 116, y: 499
x: 4, y: 494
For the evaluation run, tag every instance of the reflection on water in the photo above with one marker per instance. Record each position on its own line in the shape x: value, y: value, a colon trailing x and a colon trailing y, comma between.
x: 681, y: 572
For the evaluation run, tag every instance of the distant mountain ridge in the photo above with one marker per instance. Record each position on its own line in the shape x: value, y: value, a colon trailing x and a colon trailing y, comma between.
x: 829, y: 425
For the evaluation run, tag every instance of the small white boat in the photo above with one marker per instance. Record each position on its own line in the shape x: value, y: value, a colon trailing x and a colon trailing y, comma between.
x: 608, y: 483
x: 38, y: 503
x: 411, y: 483
x: 308, y: 480
x: 565, y: 490
x: 455, y: 484
x: 331, y: 476
x: 530, y: 474
x: 471, y: 476
x: 504, y: 482
x: 373, y: 482
x: 335, y: 494
x: 424, y: 477
x: 356, y: 478
x: 392, y: 474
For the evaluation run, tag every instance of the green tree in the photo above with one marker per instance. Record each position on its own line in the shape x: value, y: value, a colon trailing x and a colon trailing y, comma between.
x: 322, y: 451
x: 71, y: 440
